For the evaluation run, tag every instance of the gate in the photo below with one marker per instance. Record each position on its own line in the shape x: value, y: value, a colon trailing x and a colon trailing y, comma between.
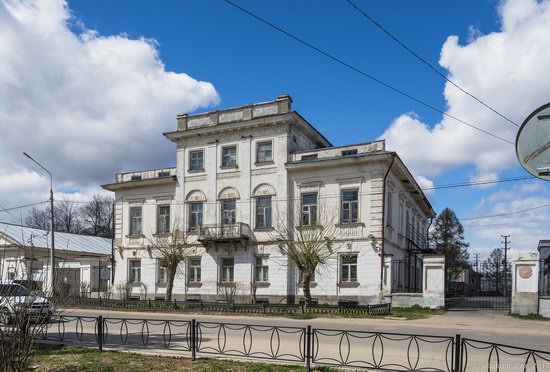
x: 484, y: 288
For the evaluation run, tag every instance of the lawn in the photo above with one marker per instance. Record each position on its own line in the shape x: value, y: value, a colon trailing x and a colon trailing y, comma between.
x: 531, y: 317
x: 79, y: 359
x: 415, y: 312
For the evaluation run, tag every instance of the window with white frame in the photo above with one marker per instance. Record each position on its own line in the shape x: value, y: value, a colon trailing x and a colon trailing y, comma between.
x: 194, y: 270
x: 163, y: 219
x: 261, y: 270
x: 350, y: 206
x: 196, y: 160
x: 195, y: 215
x: 161, y: 272
x: 227, y: 269
x: 264, y: 152
x: 309, y: 209
x: 389, y: 219
x: 229, y: 156
x: 11, y: 273
x: 135, y: 220
x: 134, y: 271
x: 229, y: 212
x: 348, y: 268
x: 263, y: 212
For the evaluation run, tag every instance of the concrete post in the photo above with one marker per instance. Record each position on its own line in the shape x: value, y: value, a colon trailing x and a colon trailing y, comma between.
x: 387, y: 276
x: 525, y: 283
x: 433, y: 281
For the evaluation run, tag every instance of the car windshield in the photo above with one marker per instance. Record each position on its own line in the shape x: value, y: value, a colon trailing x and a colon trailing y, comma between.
x: 13, y: 290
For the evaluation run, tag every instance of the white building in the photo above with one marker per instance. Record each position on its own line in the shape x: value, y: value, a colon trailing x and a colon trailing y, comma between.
x: 244, y: 174
x: 83, y: 263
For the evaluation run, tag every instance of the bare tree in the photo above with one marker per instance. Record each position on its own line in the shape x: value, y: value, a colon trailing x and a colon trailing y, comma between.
x: 38, y: 218
x: 67, y: 217
x: 171, y: 250
x: 97, y: 216
x: 309, y: 238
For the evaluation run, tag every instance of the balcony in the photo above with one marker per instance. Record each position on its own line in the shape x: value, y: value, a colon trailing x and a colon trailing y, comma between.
x: 416, y: 240
x: 221, y: 233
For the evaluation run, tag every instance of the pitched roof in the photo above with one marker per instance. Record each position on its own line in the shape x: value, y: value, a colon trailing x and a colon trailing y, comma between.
x: 63, y: 241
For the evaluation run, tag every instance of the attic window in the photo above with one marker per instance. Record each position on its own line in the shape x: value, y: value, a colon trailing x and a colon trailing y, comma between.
x: 349, y: 152
x: 309, y: 157
x: 136, y: 177
x: 164, y: 174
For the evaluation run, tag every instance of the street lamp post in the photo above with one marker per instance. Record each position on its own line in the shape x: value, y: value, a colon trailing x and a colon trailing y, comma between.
x: 52, y: 250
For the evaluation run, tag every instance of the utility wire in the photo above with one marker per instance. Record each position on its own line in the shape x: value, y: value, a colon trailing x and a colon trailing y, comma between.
x: 365, y: 74
x: 423, y: 60
x: 508, y: 223
x: 21, y: 206
x: 506, y: 214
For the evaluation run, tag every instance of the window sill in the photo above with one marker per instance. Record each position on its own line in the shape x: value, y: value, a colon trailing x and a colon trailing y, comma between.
x: 308, y: 227
x: 195, y: 170
x: 162, y: 235
x: 162, y: 284
x: 194, y: 284
x: 267, y: 228
x: 226, y: 284
x: 135, y: 284
x: 262, y: 284
x: 348, y: 284
x: 311, y: 284
x: 135, y: 236
x: 229, y: 167
x: 262, y: 163
x: 350, y: 224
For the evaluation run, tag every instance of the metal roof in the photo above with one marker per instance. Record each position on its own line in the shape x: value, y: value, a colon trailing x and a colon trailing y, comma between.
x: 63, y: 241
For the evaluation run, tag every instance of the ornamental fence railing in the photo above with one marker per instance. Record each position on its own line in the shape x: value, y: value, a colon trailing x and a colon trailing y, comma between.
x: 308, y: 346
x: 224, y: 307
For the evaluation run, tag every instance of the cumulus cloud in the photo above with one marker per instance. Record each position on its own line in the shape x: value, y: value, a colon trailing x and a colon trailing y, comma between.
x: 84, y: 104
x: 507, y: 69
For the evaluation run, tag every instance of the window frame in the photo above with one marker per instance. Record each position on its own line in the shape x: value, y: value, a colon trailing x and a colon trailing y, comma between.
x: 166, y: 218
x: 132, y: 270
x: 231, y: 270
x: 193, y: 168
x: 223, y: 210
x: 234, y: 164
x: 194, y: 271
x: 264, y: 160
x: 350, y: 204
x: 266, y: 210
x: 300, y: 276
x: 261, y: 270
x: 351, y: 267
x: 197, y: 213
x: 133, y: 231
x: 310, y: 221
x: 161, y: 268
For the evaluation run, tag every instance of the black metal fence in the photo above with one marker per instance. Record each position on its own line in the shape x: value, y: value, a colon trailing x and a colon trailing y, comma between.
x: 306, y: 345
x: 238, y: 308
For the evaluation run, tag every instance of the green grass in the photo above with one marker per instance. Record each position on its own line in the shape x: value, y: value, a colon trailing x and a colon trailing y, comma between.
x: 79, y: 359
x: 530, y: 316
x: 416, y: 312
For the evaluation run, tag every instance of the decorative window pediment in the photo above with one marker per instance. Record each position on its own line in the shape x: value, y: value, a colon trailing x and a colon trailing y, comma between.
x: 263, y: 189
x: 195, y: 196
x: 229, y: 193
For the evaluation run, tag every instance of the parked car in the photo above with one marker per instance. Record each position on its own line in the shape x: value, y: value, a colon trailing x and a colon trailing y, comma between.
x: 15, y: 300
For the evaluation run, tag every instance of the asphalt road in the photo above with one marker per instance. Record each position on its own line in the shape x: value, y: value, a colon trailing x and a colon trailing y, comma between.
x: 267, y: 337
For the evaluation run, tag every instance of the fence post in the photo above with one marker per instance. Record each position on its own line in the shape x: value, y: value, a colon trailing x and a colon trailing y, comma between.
x: 193, y: 339
x: 458, y: 353
x: 100, y: 332
x: 308, y: 348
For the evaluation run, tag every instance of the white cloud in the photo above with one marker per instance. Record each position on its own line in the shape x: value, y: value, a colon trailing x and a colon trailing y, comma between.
x: 83, y: 104
x: 507, y: 69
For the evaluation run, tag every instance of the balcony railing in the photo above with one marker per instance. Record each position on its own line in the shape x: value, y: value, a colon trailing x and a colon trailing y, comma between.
x: 220, y: 233
x: 416, y: 239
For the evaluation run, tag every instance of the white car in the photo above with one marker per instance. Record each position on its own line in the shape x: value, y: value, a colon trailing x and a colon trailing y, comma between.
x: 16, y: 299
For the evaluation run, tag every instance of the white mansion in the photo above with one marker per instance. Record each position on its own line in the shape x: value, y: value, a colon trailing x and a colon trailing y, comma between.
x: 245, y: 173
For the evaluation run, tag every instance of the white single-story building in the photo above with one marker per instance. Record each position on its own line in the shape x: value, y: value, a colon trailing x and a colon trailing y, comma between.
x: 83, y: 262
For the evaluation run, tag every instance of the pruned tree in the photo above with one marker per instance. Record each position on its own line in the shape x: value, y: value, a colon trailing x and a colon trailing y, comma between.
x: 97, y: 216
x: 448, y: 234
x: 171, y: 251
x: 494, y: 270
x: 309, y: 237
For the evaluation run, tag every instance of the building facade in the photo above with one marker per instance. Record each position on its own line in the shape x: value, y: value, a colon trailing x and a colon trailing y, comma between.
x: 249, y: 177
x: 83, y: 265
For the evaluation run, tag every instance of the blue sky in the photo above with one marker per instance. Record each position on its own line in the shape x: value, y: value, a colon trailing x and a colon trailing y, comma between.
x: 247, y: 62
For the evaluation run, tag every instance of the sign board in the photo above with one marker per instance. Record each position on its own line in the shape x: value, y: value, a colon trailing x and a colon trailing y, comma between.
x: 533, y: 143
x: 105, y: 273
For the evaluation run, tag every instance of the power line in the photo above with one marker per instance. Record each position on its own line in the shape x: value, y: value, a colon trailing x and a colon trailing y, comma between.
x: 21, y: 206
x: 508, y: 223
x: 423, y: 60
x: 365, y: 74
x: 506, y: 214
